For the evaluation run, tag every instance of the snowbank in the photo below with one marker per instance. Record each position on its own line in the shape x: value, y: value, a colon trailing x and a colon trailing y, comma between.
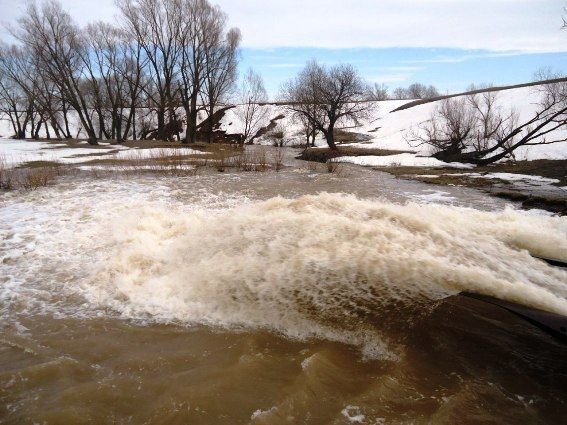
x: 16, y: 152
x: 392, y: 130
x: 400, y: 160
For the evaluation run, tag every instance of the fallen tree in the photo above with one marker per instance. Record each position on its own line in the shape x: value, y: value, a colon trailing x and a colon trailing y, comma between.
x: 476, y: 130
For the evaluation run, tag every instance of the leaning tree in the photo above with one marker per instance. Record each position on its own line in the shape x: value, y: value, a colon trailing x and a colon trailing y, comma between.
x: 327, y: 97
x: 476, y: 130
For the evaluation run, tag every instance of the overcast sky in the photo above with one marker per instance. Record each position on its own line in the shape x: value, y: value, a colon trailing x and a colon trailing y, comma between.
x: 453, y: 31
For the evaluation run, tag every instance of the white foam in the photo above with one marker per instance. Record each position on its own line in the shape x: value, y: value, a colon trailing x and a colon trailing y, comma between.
x: 353, y: 414
x: 314, y: 266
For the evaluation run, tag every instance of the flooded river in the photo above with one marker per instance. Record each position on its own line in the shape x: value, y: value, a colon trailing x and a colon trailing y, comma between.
x: 298, y: 297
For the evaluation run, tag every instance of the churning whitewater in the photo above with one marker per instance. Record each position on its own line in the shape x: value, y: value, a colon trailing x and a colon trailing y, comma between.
x: 329, y: 266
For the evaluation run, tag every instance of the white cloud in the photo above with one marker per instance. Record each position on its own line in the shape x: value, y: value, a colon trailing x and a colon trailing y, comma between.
x: 393, y: 74
x: 499, y: 25
x: 522, y: 25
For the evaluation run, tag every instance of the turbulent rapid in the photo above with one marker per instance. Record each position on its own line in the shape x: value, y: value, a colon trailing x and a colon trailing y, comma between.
x: 321, y: 265
x: 327, y: 265
x: 360, y: 271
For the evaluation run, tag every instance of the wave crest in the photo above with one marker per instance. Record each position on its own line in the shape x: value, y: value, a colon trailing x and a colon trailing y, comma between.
x: 330, y: 266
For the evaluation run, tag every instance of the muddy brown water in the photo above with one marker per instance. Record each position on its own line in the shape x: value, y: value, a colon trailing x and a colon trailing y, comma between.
x: 113, y: 310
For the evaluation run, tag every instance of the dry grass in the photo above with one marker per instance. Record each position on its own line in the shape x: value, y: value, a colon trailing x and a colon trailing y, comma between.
x: 256, y: 160
x: 332, y: 166
x: 312, y: 166
x: 219, y: 157
x: 37, y: 174
x: 221, y: 164
x: 177, y: 162
x: 344, y: 136
x: 7, y: 177
x: 165, y: 160
x: 278, y: 159
x: 336, y: 168
x: 554, y: 169
x: 34, y: 178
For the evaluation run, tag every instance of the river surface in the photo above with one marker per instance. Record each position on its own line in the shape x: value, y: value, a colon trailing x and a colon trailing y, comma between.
x: 297, y: 297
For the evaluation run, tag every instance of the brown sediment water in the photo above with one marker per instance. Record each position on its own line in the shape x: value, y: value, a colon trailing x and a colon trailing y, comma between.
x: 268, y: 298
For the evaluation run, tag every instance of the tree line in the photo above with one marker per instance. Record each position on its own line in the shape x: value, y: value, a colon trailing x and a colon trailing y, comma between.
x: 412, y: 92
x: 123, y: 81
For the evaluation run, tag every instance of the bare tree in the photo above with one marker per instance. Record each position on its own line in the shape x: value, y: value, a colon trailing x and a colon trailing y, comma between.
x: 208, y: 61
x: 14, y: 102
x: 51, y: 36
x: 39, y: 95
x: 221, y: 62
x: 415, y: 91
x: 156, y: 27
x: 399, y: 94
x: 450, y: 129
x: 308, y: 130
x: 476, y: 130
x: 327, y: 97
x: 115, y: 68
x: 191, y: 39
x: 252, y: 96
x: 379, y: 92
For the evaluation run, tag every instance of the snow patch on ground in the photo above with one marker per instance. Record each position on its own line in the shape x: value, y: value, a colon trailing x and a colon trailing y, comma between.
x: 400, y: 160
x: 512, y: 177
x: 516, y: 177
x: 156, y: 153
x: 433, y: 196
x: 125, y: 168
x: 17, y: 152
x: 259, y: 413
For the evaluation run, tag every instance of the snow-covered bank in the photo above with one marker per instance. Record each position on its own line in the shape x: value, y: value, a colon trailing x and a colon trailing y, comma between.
x: 17, y: 152
x: 400, y: 160
x: 392, y: 130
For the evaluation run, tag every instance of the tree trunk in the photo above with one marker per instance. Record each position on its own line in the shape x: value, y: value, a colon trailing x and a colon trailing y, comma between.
x: 55, y: 127
x: 211, y: 123
x: 66, y: 120
x: 134, y: 133
x: 160, y: 122
x: 16, y: 131
x: 37, y: 129
x: 191, y: 135
x: 330, y: 136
